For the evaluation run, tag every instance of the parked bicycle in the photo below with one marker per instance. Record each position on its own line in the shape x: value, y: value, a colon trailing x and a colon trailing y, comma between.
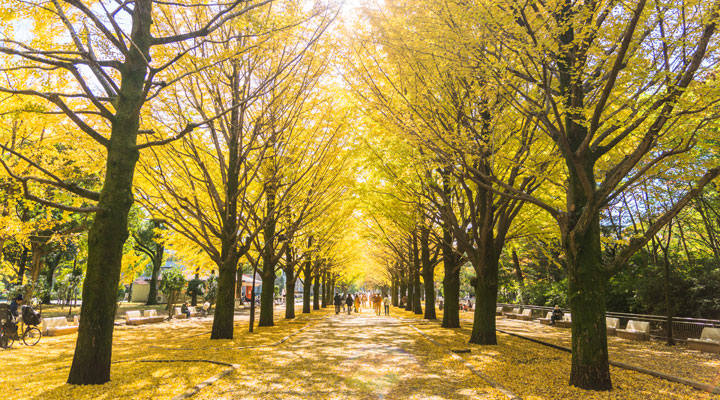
x: 30, y: 334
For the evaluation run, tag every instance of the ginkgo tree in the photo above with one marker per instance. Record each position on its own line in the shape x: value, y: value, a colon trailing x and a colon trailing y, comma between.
x: 622, y: 90
x: 97, y: 64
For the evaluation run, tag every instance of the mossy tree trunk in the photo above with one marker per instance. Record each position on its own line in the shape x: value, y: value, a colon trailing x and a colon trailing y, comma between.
x: 109, y: 230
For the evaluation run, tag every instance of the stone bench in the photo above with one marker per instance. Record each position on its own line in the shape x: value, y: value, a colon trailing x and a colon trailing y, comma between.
x: 498, y: 311
x: 515, y: 312
x: 181, y: 315
x: 526, y: 315
x: 635, y: 330
x: 612, y: 324
x: 149, y: 316
x: 709, y: 341
x: 546, y: 320
x: 57, y: 326
x: 566, y: 322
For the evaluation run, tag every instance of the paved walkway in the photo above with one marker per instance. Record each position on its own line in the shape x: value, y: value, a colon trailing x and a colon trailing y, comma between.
x: 361, y: 356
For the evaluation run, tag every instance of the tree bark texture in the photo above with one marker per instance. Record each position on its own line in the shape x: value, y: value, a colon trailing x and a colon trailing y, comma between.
x: 109, y: 230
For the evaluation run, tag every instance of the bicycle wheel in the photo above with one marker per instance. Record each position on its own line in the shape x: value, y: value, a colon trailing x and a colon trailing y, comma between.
x: 31, y: 336
x: 5, y: 341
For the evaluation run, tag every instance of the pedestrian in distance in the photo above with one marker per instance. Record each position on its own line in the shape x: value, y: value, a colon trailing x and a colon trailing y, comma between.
x: 386, y: 303
x: 338, y: 303
x: 349, y: 302
x: 377, y: 302
x: 358, y: 303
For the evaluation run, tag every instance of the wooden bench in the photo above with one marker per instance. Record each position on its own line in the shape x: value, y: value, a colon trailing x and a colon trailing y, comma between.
x: 635, y: 330
x: 612, y: 324
x: 515, y: 312
x: 57, y: 326
x: 546, y: 320
x: 709, y: 341
x: 498, y: 311
x: 566, y: 322
x: 149, y: 316
x: 181, y: 315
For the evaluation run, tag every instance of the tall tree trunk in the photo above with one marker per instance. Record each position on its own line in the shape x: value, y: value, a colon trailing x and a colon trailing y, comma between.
x: 519, y: 277
x: 307, y: 281
x: 666, y: 289
x: 157, y: 263
x: 323, y: 294
x: 410, y: 291
x: 587, y: 281
x: 415, y: 275
x: 316, y: 289
x: 417, y: 293
x: 267, y: 296
x: 307, y: 293
x: 403, y: 290
x: 23, y: 265
x: 486, y: 288
x: 428, y: 273
x: 394, y: 292
x: 290, y: 293
x: 223, y: 319
x: 451, y: 282
x: 107, y: 235
x: 451, y: 263
x: 51, y: 268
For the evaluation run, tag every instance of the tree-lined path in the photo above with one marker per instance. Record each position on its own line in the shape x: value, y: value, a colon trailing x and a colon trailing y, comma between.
x: 437, y: 155
x: 360, y: 356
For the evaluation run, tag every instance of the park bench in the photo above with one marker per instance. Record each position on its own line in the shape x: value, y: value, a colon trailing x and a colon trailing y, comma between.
x: 709, y: 341
x: 525, y: 316
x: 57, y: 326
x: 566, y: 322
x: 150, y: 316
x: 612, y: 325
x: 514, y: 313
x: 635, y: 330
x: 180, y: 315
x: 498, y: 311
x: 546, y: 320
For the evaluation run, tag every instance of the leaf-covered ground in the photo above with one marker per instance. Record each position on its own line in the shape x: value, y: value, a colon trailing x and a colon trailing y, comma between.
x: 677, y: 360
x: 336, y: 357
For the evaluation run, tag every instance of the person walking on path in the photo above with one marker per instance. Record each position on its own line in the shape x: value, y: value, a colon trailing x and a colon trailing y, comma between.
x: 386, y: 303
x: 338, y: 302
x: 358, y: 303
x: 349, y: 302
x: 377, y: 301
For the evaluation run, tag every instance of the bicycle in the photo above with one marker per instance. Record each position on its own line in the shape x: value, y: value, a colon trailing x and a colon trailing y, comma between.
x: 30, y: 334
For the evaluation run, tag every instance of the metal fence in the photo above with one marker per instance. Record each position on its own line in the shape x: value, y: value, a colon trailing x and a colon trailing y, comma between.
x: 683, y: 328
